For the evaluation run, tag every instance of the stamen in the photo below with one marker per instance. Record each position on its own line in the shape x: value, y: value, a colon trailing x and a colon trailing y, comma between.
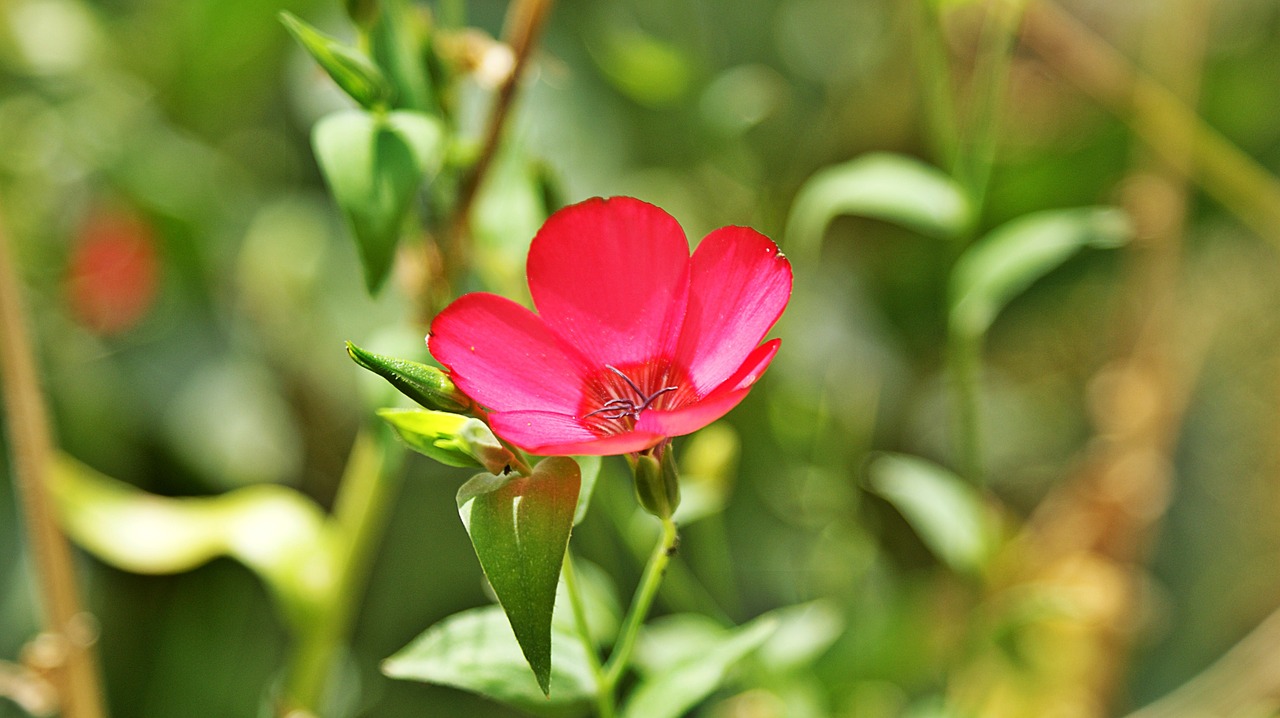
x: 627, y: 379
x: 620, y: 408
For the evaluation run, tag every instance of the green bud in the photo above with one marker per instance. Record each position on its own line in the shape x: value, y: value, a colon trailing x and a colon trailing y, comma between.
x: 451, y: 439
x: 657, y: 483
x: 423, y: 383
x: 354, y: 73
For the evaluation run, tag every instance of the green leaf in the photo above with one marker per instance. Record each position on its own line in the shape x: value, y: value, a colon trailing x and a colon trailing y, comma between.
x: 398, y: 39
x: 1013, y: 256
x: 520, y: 531
x: 278, y: 533
x: 374, y: 165
x: 354, y: 73
x: 451, y: 439
x: 889, y: 187
x: 948, y: 514
x: 476, y: 651
x: 423, y: 383
x: 686, y: 677
x: 804, y: 631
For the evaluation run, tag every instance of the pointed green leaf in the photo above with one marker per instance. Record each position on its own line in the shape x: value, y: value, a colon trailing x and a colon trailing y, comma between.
x: 374, y: 165
x: 889, y: 187
x: 354, y: 73
x: 686, y: 677
x: 948, y: 514
x: 1008, y: 260
x: 476, y: 651
x: 451, y: 439
x: 423, y: 383
x: 520, y: 532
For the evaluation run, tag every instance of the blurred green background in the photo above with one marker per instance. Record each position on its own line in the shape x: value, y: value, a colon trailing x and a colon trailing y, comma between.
x: 168, y: 141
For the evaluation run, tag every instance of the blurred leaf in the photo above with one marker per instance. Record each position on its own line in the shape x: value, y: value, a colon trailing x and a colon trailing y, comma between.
x: 451, y: 439
x: 599, y: 602
x: 275, y: 531
x: 646, y: 69
x: 689, y: 676
x: 374, y: 164
x: 708, y: 466
x: 889, y: 187
x: 590, y: 467
x: 354, y: 73
x: 476, y: 651
x: 947, y: 513
x: 1013, y: 256
x: 803, y: 633
x: 397, y: 41
x: 423, y: 383
x: 520, y: 530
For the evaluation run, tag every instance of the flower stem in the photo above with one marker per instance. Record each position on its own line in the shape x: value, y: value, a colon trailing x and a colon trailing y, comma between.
x: 76, y: 676
x: 604, y: 700
x: 364, y: 499
x: 648, y: 588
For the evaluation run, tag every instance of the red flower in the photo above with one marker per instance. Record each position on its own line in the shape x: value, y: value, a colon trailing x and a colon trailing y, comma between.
x: 635, y: 341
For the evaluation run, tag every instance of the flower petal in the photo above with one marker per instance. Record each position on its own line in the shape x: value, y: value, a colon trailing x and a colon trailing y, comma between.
x: 689, y: 419
x: 739, y: 285
x: 611, y: 277
x: 503, y: 356
x: 554, y: 434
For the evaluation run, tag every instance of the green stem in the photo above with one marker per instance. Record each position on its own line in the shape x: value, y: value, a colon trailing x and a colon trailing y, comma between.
x: 964, y: 360
x: 604, y: 700
x: 647, y: 589
x: 363, y: 503
x: 991, y: 78
x: 935, y: 77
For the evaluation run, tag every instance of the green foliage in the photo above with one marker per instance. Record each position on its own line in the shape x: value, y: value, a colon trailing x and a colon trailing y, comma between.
x: 451, y: 439
x: 688, y: 659
x: 948, y: 514
x: 889, y: 187
x: 520, y: 530
x: 374, y: 164
x: 476, y: 651
x: 276, y: 532
x: 423, y: 383
x: 353, y: 72
x: 1008, y: 260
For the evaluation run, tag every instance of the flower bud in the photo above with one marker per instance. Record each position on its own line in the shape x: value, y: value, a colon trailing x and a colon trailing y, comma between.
x: 424, y: 384
x: 657, y: 482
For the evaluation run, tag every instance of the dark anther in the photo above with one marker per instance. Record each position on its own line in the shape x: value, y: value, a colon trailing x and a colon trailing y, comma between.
x: 620, y: 408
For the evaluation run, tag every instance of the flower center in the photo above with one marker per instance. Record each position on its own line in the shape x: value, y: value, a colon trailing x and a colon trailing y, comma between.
x: 614, y: 400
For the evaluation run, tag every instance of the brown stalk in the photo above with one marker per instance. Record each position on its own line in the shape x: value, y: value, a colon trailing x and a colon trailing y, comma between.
x: 1157, y: 115
x: 71, y: 663
x: 523, y: 25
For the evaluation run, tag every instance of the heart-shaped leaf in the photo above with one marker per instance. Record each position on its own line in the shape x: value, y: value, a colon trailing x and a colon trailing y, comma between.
x: 374, y: 163
x: 520, y: 529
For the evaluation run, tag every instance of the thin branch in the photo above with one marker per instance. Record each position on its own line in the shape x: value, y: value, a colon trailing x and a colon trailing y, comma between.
x: 523, y: 25
x: 76, y: 678
x: 1156, y: 115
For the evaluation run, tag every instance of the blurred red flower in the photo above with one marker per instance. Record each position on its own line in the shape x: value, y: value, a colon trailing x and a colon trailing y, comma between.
x: 111, y: 277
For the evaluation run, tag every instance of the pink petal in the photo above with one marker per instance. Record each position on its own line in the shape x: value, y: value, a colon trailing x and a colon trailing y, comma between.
x: 739, y: 285
x: 689, y: 419
x: 611, y: 277
x: 548, y: 433
x: 503, y: 356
